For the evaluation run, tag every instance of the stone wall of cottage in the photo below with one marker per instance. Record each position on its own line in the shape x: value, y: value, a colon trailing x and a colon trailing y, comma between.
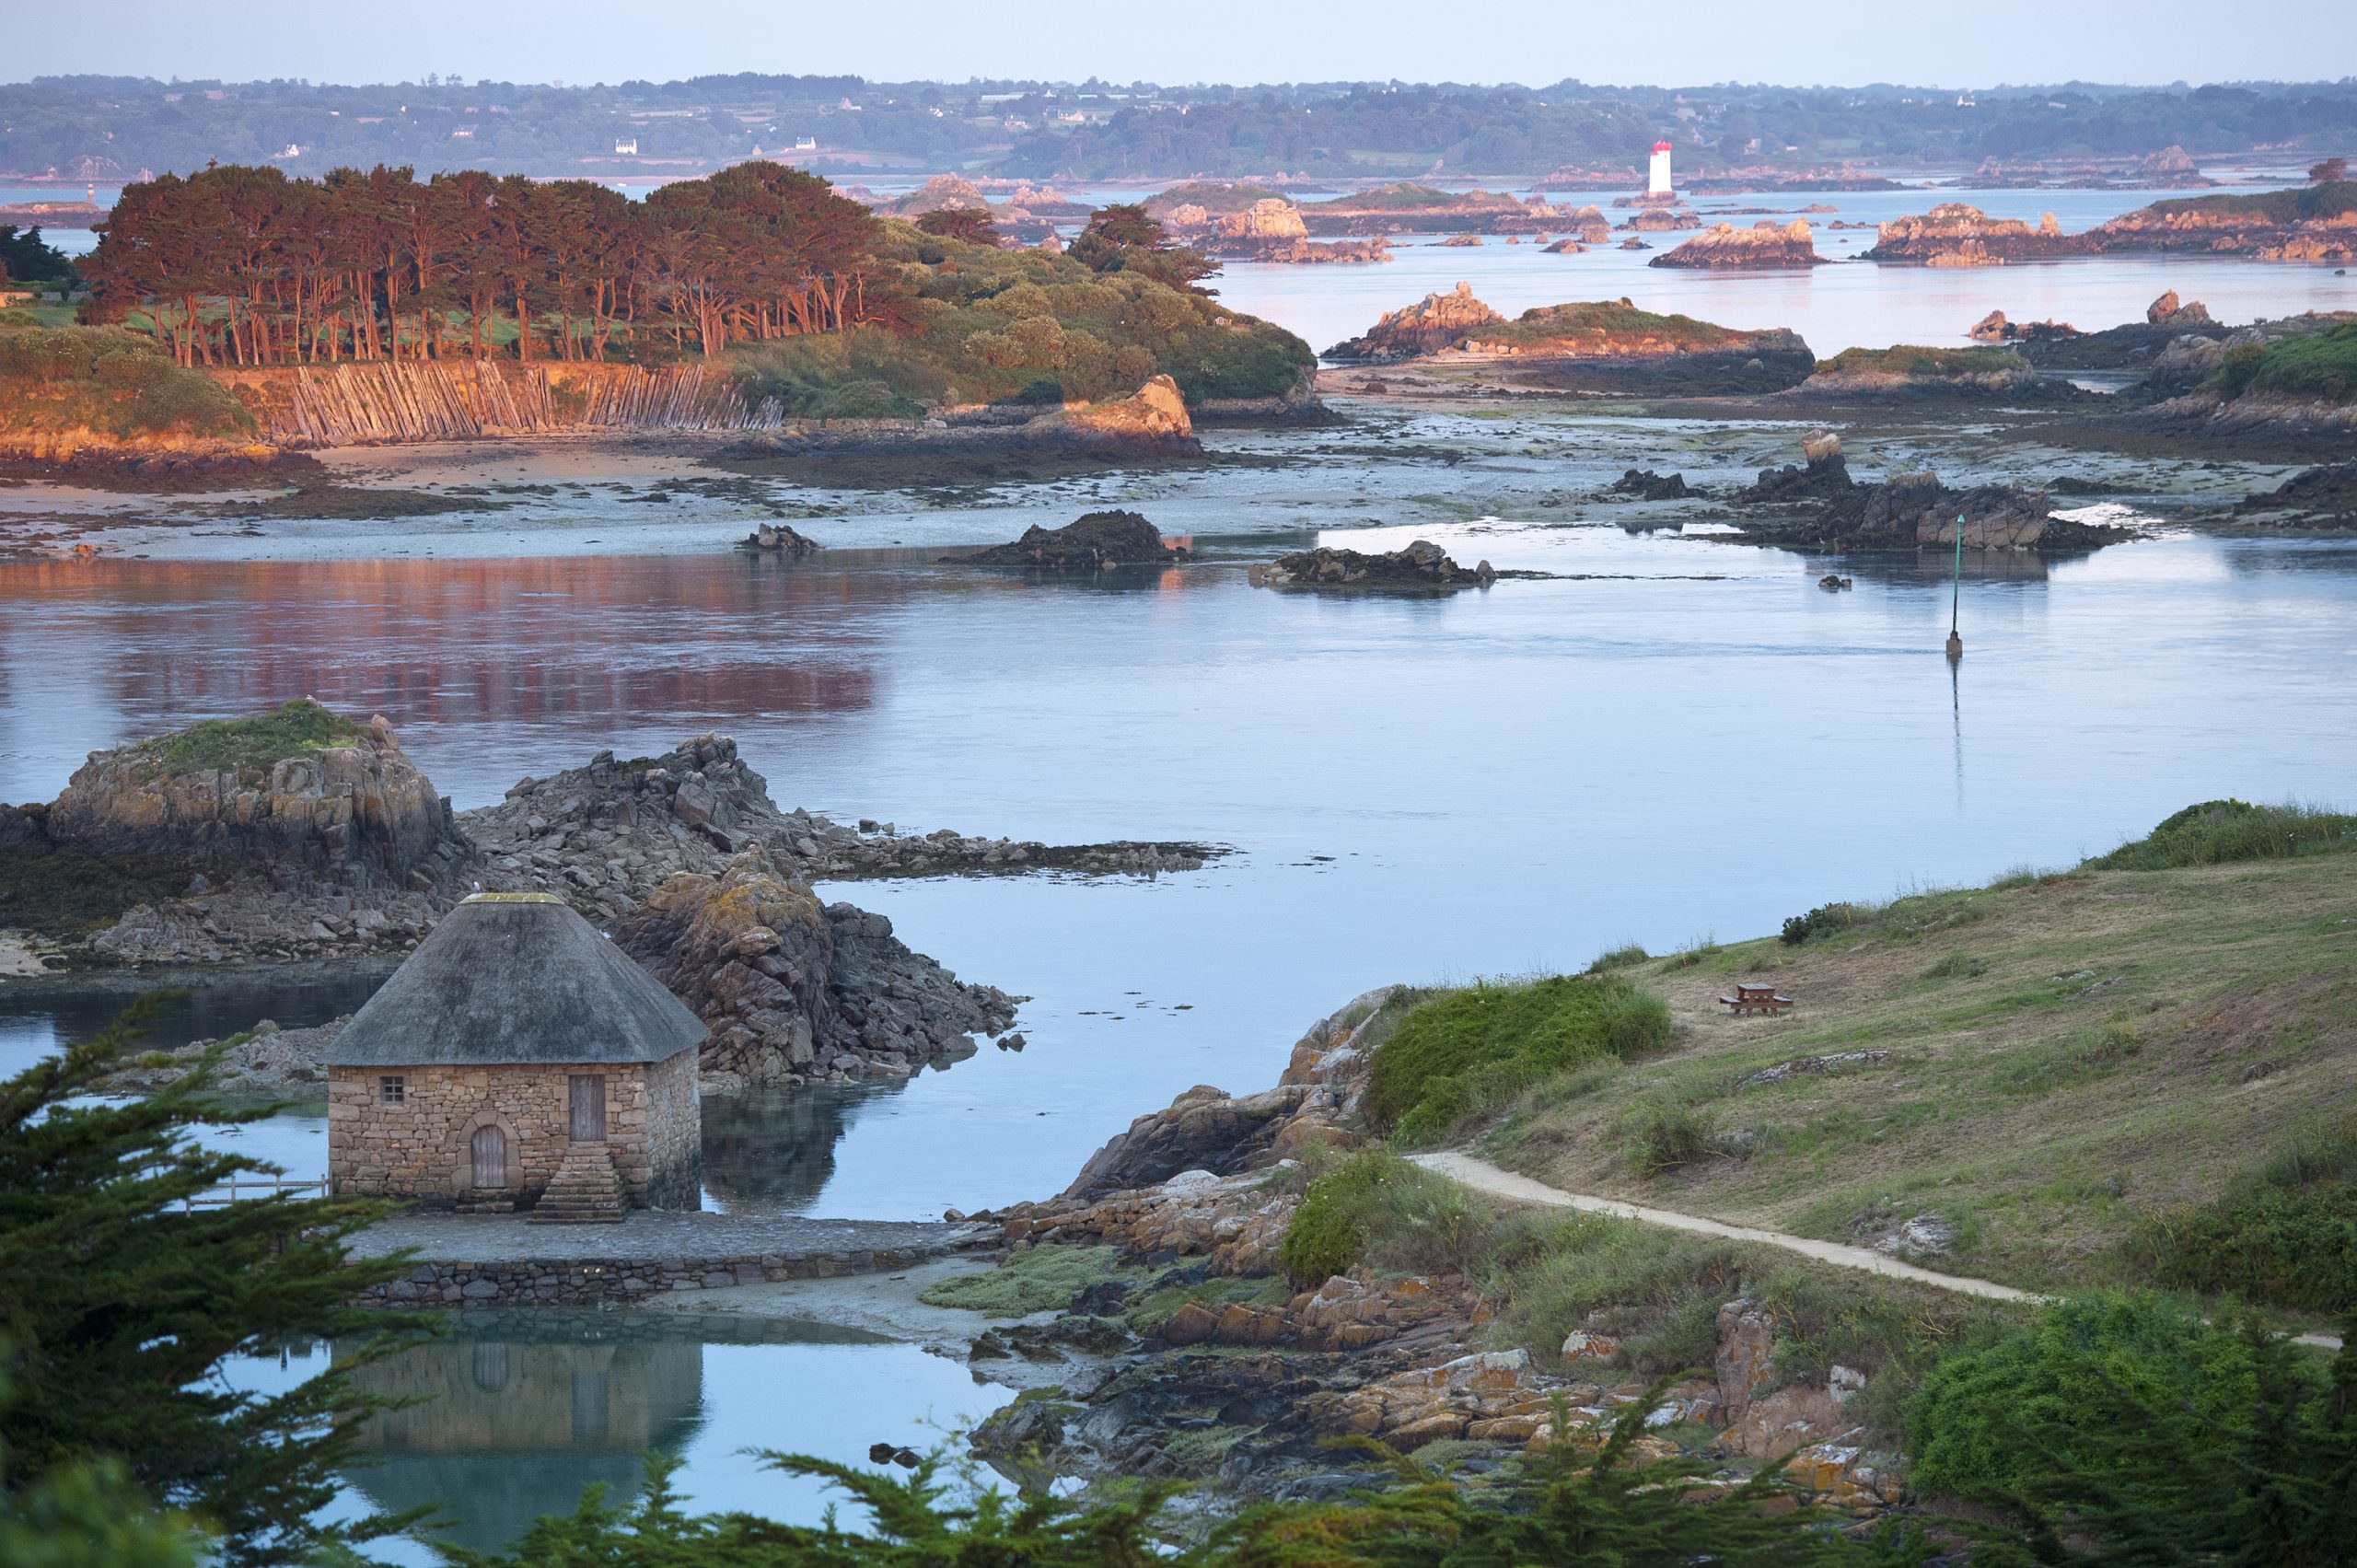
x: 674, y: 1176
x: 421, y: 1147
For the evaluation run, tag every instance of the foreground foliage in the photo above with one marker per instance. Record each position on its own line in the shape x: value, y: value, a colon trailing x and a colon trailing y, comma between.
x: 1568, y: 1507
x: 2119, y: 1429
x: 120, y: 1306
x: 2284, y: 1234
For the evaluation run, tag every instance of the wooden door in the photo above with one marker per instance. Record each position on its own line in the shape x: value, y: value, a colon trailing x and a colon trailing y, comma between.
x: 589, y: 1108
x: 489, y: 1145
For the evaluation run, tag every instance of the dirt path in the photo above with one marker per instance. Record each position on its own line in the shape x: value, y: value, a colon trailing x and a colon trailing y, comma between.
x: 1483, y: 1176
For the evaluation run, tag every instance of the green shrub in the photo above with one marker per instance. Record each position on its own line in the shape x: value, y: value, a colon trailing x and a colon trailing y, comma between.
x: 2321, y: 366
x: 1957, y: 966
x: 2284, y: 1234
x: 1912, y: 359
x: 1822, y: 921
x: 2220, y: 832
x: 1466, y: 1052
x: 1376, y: 1208
x: 1664, y: 1135
x: 1620, y: 958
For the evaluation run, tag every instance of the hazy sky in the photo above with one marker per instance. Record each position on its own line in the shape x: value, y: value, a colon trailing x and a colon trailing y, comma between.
x: 1977, y: 43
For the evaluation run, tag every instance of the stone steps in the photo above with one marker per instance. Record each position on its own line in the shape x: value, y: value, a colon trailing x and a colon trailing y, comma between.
x: 584, y: 1191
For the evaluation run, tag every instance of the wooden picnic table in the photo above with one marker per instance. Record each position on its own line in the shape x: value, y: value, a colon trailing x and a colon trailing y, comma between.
x: 1754, y: 998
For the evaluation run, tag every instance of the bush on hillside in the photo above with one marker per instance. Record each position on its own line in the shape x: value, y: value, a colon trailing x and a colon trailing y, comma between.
x: 1376, y: 1207
x: 2220, y: 832
x: 1464, y: 1052
x: 2284, y: 1235
x: 1822, y: 921
x: 111, y: 381
x: 2319, y: 367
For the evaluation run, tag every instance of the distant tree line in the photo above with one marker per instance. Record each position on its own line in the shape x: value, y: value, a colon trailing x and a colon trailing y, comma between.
x: 243, y: 266
x: 95, y: 127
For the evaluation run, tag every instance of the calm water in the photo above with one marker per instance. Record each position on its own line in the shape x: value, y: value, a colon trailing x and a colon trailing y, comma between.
x: 522, y: 1411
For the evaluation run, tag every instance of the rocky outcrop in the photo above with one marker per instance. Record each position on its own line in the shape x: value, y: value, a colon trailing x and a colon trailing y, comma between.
x: 795, y: 991
x: 1995, y: 328
x: 606, y: 835
x: 1421, y: 566
x: 1099, y: 541
x: 777, y: 538
x: 1818, y: 506
x: 299, y: 789
x: 1910, y: 373
x: 2318, y: 224
x: 1154, y: 415
x: 2167, y: 311
x: 2322, y: 497
x: 1765, y: 245
x: 1958, y: 234
x: 262, y: 1065
x: 149, y: 884
x: 1435, y: 322
x: 1644, y: 484
x: 1205, y: 1129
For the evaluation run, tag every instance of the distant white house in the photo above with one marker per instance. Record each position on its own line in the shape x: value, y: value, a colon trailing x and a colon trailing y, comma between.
x: 463, y: 133
x: 806, y: 144
x: 294, y: 149
x: 626, y: 147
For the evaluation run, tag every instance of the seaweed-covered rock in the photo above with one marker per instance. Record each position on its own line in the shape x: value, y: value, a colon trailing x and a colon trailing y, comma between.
x: 1421, y: 566
x: 1096, y: 542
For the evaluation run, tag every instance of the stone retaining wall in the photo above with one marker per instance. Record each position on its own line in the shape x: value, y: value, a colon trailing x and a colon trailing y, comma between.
x: 591, y: 1281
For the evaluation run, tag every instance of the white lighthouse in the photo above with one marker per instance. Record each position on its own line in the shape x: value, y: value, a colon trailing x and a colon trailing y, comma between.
x: 1657, y: 178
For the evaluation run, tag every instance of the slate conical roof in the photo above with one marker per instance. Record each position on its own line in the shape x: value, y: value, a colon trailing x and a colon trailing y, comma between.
x: 515, y: 978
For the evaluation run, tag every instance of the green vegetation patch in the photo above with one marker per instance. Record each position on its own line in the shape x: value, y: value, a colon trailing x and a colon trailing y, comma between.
x: 1465, y: 1051
x: 1405, y: 195
x: 989, y: 325
x: 2223, y: 832
x: 1915, y: 360
x: 110, y: 381
x: 2316, y: 366
x: 1613, y: 318
x: 2329, y: 199
x: 1036, y: 1280
x: 2284, y: 1235
x: 232, y: 745
x: 1376, y: 1208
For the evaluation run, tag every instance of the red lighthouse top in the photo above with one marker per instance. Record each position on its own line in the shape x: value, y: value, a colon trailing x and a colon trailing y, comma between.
x: 1661, y: 146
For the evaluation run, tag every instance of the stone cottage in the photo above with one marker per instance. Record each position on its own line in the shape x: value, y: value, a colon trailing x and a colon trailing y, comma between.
x: 517, y: 1060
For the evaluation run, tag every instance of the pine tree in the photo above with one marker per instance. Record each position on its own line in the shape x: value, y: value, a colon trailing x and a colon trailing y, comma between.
x: 119, y: 1302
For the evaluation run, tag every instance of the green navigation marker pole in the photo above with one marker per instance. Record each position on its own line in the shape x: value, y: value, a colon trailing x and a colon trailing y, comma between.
x: 1956, y: 598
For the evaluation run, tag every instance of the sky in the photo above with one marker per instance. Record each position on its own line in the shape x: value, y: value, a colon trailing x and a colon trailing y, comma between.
x: 1667, y: 42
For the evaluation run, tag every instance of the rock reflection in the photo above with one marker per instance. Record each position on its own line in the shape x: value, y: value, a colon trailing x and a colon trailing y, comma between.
x: 774, y: 1149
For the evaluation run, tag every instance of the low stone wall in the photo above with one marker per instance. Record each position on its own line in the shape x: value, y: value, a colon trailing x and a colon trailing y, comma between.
x: 593, y: 1282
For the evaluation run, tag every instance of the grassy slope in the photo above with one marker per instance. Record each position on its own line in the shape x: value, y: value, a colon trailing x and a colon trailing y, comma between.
x: 2318, y: 365
x: 2066, y: 1053
x: 1615, y: 319
x: 2270, y: 206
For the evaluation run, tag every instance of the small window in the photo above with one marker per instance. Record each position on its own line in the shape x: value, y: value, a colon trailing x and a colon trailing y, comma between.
x: 392, y: 1090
